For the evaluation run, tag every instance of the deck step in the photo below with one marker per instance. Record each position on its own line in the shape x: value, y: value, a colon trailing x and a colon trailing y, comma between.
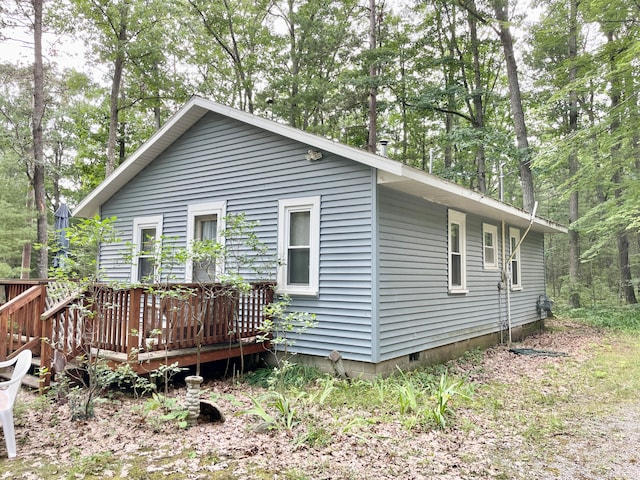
x: 29, y: 380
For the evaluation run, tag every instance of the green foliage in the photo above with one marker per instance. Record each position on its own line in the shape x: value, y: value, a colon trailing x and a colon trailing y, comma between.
x: 160, y: 409
x: 625, y: 318
x: 281, y: 327
x: 285, y: 416
x: 85, y: 238
x: 285, y: 375
x: 443, y: 396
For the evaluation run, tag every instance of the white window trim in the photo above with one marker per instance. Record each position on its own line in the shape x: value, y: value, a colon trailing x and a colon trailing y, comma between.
x: 139, y: 223
x: 197, y: 210
x: 514, y: 233
x: 291, y: 205
x: 460, y: 219
x: 493, y: 230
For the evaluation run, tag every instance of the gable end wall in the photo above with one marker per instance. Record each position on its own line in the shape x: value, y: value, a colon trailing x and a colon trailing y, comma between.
x: 220, y: 159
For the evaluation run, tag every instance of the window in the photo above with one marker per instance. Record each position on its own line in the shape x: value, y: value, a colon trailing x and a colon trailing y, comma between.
x: 299, y: 245
x: 516, y: 274
x: 490, y: 246
x: 205, y: 222
x: 146, y: 238
x: 457, y: 252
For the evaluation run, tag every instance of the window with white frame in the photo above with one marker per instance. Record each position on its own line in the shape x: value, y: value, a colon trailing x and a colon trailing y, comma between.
x: 457, y: 252
x: 146, y: 240
x: 514, y: 251
x: 205, y: 224
x: 299, y: 245
x: 490, y: 246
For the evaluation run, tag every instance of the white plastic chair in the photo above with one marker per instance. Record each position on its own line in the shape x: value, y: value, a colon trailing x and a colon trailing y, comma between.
x: 8, y: 392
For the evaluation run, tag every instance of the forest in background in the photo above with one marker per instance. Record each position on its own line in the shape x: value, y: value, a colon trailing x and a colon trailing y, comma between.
x: 528, y: 102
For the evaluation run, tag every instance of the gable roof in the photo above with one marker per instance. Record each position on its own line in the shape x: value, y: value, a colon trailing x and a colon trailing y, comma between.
x: 391, y: 173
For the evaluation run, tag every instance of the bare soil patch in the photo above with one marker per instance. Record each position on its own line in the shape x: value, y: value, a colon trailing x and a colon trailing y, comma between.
x: 533, y: 417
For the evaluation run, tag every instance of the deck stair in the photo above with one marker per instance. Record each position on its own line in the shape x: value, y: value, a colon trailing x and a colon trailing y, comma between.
x: 31, y: 379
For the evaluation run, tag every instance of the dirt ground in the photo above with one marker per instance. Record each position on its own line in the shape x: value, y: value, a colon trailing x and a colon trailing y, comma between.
x: 117, y: 443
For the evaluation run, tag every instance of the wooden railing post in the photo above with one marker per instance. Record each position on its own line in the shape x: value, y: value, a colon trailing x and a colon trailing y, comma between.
x: 134, y: 320
x: 46, y: 352
x: 43, y: 330
x: 4, y: 334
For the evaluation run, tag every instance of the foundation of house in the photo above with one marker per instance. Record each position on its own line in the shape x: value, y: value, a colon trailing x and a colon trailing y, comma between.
x: 432, y: 356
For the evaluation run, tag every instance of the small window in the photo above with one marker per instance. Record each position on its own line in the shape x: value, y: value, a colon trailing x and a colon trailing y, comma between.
x: 299, y: 245
x: 514, y: 251
x: 146, y: 240
x: 205, y: 223
x: 490, y: 246
x: 457, y: 252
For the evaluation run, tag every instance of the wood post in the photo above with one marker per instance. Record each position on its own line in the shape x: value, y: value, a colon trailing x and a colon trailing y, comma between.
x: 133, y: 324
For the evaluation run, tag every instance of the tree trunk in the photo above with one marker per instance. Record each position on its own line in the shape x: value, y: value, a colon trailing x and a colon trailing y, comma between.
x: 295, y: 68
x: 27, y: 246
x: 478, y: 113
x: 38, y: 146
x: 114, y: 110
x: 628, y: 291
x: 615, y: 94
x: 574, y: 237
x: 451, y: 98
x: 526, y: 177
x: 373, y: 91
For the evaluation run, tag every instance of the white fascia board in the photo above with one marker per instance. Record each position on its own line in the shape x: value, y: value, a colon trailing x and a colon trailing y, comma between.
x: 437, y: 190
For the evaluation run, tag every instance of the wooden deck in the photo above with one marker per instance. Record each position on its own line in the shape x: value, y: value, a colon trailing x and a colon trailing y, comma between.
x: 146, y: 327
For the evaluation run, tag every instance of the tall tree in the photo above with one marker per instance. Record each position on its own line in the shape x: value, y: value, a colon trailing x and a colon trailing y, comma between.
x: 38, y: 144
x: 16, y: 159
x: 574, y: 213
x: 134, y: 38
x: 372, y: 141
x: 317, y: 41
x: 237, y: 29
x: 501, y: 10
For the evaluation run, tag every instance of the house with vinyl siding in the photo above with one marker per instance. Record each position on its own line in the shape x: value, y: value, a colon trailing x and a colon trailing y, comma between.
x: 399, y: 266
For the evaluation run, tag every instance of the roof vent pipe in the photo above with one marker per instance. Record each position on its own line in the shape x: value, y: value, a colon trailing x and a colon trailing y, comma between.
x: 384, y: 148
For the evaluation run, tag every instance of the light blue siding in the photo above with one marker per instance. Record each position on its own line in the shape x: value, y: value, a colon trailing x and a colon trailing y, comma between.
x: 416, y: 311
x: 383, y: 254
x: 219, y: 159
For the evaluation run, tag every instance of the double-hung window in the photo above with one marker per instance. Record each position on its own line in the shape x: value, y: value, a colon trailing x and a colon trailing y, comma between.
x: 299, y: 245
x: 205, y: 224
x: 146, y: 241
x: 457, y: 252
x: 514, y: 252
x: 489, y: 246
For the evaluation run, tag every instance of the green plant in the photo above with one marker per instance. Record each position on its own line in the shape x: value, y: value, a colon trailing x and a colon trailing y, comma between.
x: 443, y: 396
x: 281, y: 325
x: 625, y: 318
x: 160, y: 409
x: 285, y: 416
x: 92, y: 465
x: 407, y: 397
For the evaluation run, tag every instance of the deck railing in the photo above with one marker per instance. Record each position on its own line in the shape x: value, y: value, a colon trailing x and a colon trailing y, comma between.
x: 129, y: 320
x: 20, y: 326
